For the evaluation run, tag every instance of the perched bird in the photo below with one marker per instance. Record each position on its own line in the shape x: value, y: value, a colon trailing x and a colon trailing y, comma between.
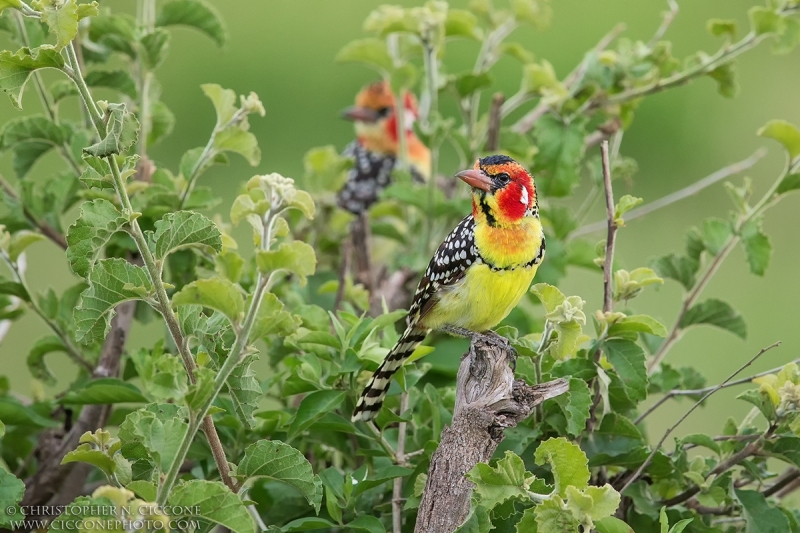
x: 376, y: 147
x: 479, y: 273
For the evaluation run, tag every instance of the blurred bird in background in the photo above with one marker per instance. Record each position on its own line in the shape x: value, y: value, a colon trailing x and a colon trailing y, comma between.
x: 376, y: 149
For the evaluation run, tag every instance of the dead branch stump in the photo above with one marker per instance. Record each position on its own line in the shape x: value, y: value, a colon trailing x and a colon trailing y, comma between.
x: 488, y: 400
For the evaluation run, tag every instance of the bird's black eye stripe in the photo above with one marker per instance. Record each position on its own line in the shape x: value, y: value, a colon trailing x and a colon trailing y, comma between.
x: 384, y: 112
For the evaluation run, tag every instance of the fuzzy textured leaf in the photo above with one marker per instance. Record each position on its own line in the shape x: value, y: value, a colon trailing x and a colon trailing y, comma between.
x: 122, y: 131
x: 785, y: 133
x: 111, y: 282
x: 628, y: 359
x: 296, y: 257
x: 277, y: 460
x: 103, y: 391
x: 507, y: 479
x: 560, y: 151
x: 29, y: 138
x: 215, y: 293
x: 215, y: 503
x: 567, y: 462
x: 119, y: 80
x: 16, y: 68
x: 98, y: 221
x: 185, y: 228
x: 575, y: 404
x: 61, y: 18
x: 677, y: 267
x: 11, y: 492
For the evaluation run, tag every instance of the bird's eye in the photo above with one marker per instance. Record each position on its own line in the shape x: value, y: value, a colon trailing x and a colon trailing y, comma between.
x: 502, y: 178
x: 384, y: 112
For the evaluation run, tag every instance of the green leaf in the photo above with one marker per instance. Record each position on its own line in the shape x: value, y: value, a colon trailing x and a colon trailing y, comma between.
x: 214, y: 502
x: 567, y: 462
x: 215, y: 293
x: 720, y: 27
x: 638, y: 324
x: 163, y: 374
x: 625, y: 204
x: 145, y: 490
x: 553, y: 517
x: 592, y: 503
x: 368, y: 523
x: 725, y: 76
x: 13, y: 413
x: 29, y: 138
x: 122, y: 131
x: 677, y: 267
x: 784, y: 132
x: 757, y: 247
x: 104, y: 391
x: 111, y: 282
x: 761, y: 517
x: 61, y: 89
x: 765, y: 20
x: 185, y: 228
x: 461, y: 23
x: 380, y: 477
x: 154, y: 48
x: 88, y: 10
x: 20, y: 241
x: 195, y: 14
x: 309, y: 523
x: 789, y: 38
x: 272, y: 319
x: 312, y: 408
x: 467, y: 84
x: 279, y: 461
x: 98, y: 221
x: 761, y: 400
x: 245, y: 390
x: 13, y: 288
x: 296, y: 257
x: 701, y: 439
x: 611, y: 524
x: 237, y: 139
x: 507, y: 479
x: 715, y: 313
x: 61, y: 18
x: 35, y: 360
x: 628, y: 359
x: 162, y: 121
x: 716, y: 233
x: 16, y: 4
x: 160, y: 434
x: 86, y: 453
x: 371, y: 52
x: 11, y: 492
x: 790, y: 182
x: 478, y: 521
x: 15, y: 69
x: 119, y: 80
x: 576, y: 404
x: 560, y: 151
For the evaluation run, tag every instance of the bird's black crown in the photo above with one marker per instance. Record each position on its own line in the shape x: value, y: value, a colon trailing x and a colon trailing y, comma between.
x: 495, y: 160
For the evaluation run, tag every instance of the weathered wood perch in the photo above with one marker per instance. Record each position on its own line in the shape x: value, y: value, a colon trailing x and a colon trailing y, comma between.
x: 488, y: 400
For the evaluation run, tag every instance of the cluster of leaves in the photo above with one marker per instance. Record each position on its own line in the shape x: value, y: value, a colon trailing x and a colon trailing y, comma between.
x: 283, y: 443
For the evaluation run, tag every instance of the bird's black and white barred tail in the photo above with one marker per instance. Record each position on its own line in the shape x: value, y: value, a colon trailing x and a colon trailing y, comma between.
x: 371, y: 400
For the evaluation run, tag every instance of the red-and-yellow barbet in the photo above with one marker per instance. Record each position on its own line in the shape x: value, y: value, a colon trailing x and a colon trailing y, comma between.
x: 376, y: 147
x: 479, y: 273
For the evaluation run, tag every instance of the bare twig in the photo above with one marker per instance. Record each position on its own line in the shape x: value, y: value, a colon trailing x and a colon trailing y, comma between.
x: 46, y: 229
x: 697, y: 392
x: 495, y: 117
x: 784, y: 480
x: 608, y: 265
x: 633, y: 477
x: 400, y: 457
x: 669, y: 16
x: 572, y: 81
x: 679, y: 195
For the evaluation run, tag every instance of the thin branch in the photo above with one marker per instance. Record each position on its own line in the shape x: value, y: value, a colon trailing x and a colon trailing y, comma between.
x: 679, y: 195
x: 46, y: 229
x: 608, y: 265
x: 495, y: 117
x: 633, y: 477
x: 669, y: 16
x: 572, y: 81
x: 783, y: 481
x: 697, y: 392
x: 400, y: 457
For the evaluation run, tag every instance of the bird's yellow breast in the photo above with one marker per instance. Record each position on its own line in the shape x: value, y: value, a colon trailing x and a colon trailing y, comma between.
x: 481, y: 299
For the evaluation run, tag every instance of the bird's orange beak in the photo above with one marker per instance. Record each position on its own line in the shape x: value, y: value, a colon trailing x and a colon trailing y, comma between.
x: 360, y: 114
x: 476, y: 178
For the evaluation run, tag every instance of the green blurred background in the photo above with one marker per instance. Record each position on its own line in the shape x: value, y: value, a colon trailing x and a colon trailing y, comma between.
x: 284, y: 50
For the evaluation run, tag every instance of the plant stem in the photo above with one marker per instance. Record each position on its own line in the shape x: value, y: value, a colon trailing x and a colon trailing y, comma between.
x: 154, y: 272
x: 400, y: 457
x: 44, y: 96
x: 696, y: 392
x: 71, y: 350
x: 676, y: 196
x: 633, y: 477
x: 608, y: 265
x: 694, y: 293
x: 47, y: 230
